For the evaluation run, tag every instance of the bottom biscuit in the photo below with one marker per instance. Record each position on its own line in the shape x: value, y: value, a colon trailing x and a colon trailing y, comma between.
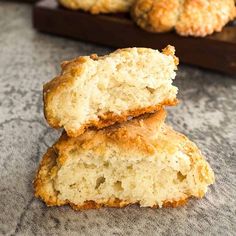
x: 142, y: 161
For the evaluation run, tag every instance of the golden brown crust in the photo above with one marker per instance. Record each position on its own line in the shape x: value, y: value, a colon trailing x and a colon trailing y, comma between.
x: 170, y: 51
x: 189, y: 17
x: 116, y: 203
x: 156, y: 15
x: 43, y: 176
x: 133, y: 134
x: 70, y: 70
x: 73, y: 69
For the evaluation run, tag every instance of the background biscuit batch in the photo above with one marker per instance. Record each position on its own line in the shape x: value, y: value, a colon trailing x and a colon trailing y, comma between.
x: 186, y: 17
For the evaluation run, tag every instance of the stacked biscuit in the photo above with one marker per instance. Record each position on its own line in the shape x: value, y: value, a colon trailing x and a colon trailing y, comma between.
x: 188, y: 17
x: 116, y: 148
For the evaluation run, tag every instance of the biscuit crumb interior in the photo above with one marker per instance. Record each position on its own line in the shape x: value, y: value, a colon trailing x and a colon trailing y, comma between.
x: 98, y: 175
x: 128, y: 80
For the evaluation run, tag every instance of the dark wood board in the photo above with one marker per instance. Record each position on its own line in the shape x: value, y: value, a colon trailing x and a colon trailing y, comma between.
x: 217, y: 52
x: 29, y: 1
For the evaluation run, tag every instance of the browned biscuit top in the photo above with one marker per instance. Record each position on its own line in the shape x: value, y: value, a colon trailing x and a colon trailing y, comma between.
x: 188, y: 17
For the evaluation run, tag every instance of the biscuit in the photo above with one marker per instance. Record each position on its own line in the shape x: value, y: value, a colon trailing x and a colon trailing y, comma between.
x: 188, y: 17
x: 201, y: 18
x: 142, y: 161
x: 98, y: 6
x: 156, y: 16
x: 100, y: 91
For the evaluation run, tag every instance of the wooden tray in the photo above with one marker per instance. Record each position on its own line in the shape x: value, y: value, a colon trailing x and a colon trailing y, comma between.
x: 217, y: 52
x: 29, y: 1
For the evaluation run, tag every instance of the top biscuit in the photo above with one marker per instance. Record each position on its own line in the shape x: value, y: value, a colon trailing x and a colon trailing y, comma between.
x: 97, y: 91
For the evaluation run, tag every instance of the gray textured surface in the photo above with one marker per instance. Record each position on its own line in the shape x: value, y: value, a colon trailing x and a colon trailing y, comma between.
x: 207, y: 115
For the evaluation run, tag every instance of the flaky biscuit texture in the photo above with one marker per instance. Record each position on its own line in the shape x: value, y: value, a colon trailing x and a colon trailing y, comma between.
x: 142, y: 161
x: 100, y: 91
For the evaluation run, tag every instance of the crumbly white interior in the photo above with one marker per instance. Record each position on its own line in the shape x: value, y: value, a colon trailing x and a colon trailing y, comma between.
x: 117, y: 84
x: 149, y: 180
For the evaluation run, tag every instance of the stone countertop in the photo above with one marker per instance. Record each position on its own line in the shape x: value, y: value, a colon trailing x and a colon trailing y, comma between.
x: 207, y: 114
